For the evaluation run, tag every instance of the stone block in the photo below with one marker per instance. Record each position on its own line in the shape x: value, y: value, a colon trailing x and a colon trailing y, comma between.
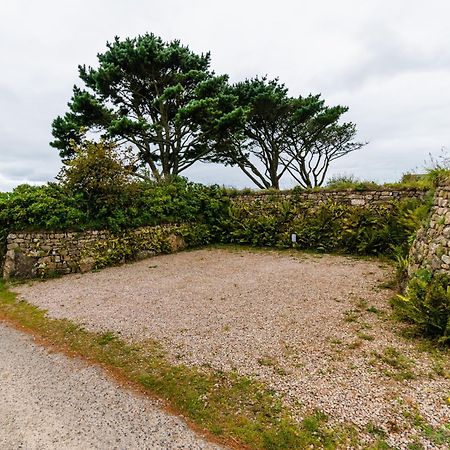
x: 86, y: 264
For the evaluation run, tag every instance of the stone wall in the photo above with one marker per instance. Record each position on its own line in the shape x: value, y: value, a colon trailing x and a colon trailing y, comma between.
x: 43, y: 254
x: 347, y: 197
x: 47, y: 253
x: 431, y: 248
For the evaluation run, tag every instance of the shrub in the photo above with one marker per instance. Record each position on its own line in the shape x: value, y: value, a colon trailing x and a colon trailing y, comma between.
x: 41, y: 207
x: 341, y: 182
x: 426, y: 304
x: 330, y: 226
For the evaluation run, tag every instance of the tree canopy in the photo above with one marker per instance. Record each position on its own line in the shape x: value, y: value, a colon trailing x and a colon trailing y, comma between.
x: 269, y: 134
x: 161, y: 100
x: 139, y: 95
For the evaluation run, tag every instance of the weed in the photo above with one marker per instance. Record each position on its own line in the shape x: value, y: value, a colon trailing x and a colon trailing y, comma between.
x: 399, y: 366
x: 362, y: 304
x: 266, y: 361
x: 355, y: 344
x: 438, y: 436
x: 106, y: 338
x: 365, y: 336
x: 375, y: 430
x: 351, y: 316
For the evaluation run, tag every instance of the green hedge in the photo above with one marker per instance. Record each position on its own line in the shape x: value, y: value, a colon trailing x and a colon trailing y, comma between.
x: 53, y: 207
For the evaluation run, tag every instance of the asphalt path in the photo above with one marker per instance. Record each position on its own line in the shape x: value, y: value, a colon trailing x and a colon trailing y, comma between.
x: 51, y: 401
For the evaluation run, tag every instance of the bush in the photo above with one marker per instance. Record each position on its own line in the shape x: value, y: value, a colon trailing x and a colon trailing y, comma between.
x: 426, y: 304
x: 382, y: 229
x: 41, y: 207
x: 55, y: 207
x: 341, y: 182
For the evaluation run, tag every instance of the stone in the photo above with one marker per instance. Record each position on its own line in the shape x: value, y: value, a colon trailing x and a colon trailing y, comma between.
x: 447, y: 218
x: 144, y: 254
x: 176, y: 243
x: 86, y: 264
x: 20, y: 265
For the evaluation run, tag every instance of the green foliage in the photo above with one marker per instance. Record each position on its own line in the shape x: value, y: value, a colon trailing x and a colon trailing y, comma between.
x: 203, y: 214
x: 83, y: 205
x: 426, y: 304
x: 330, y: 226
x: 56, y: 207
x: 256, y: 223
x: 269, y: 134
x: 342, y: 182
x: 49, y: 207
x: 144, y: 92
x: 127, y: 245
x: 99, y: 175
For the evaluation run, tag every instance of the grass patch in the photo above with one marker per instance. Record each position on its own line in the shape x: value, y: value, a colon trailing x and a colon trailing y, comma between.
x: 232, y: 407
x: 365, y: 336
x: 438, y: 436
x: 396, y: 365
x: 351, y: 316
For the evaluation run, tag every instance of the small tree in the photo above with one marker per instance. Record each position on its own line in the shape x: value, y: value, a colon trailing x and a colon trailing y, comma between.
x: 313, y: 148
x: 100, y: 174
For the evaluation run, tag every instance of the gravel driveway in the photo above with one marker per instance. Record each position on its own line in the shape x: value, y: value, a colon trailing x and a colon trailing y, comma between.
x: 48, y: 401
x: 315, y: 328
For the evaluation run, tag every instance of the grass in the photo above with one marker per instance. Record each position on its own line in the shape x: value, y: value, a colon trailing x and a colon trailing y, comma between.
x: 238, y: 410
x: 438, y: 436
x: 399, y: 366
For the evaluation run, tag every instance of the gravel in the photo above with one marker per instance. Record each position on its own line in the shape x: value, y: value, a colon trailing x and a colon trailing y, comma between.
x: 312, y: 327
x: 49, y: 401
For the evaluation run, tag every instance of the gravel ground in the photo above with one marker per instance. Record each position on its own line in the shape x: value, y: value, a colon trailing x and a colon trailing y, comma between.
x: 314, y: 328
x: 49, y: 401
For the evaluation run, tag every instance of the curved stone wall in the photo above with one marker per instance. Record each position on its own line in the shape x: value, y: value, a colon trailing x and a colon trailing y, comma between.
x: 431, y: 248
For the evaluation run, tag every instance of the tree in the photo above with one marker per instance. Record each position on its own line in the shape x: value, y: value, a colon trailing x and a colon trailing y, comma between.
x: 251, y: 135
x: 314, y: 148
x: 140, y: 94
x: 100, y: 174
x: 268, y: 134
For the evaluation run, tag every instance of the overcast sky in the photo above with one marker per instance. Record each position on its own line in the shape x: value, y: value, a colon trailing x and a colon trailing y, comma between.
x: 389, y: 61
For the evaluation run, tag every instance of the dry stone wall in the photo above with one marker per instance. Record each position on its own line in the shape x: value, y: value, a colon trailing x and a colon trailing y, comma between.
x: 431, y: 248
x: 346, y: 197
x: 43, y: 254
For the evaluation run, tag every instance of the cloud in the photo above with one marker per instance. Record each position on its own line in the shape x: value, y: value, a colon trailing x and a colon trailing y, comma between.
x: 388, y: 61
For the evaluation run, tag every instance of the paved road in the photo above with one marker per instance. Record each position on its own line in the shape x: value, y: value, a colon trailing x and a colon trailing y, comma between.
x: 49, y: 401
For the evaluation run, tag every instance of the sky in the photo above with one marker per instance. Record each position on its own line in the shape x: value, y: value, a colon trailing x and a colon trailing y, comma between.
x: 388, y: 61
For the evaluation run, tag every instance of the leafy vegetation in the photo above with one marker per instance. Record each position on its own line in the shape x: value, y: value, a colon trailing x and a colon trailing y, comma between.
x: 161, y: 100
x: 140, y: 95
x: 135, y: 204
x: 269, y: 134
x: 426, y: 304
x: 103, y: 196
x: 382, y: 229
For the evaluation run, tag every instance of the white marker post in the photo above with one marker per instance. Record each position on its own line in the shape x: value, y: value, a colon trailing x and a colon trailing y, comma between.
x: 293, y: 239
